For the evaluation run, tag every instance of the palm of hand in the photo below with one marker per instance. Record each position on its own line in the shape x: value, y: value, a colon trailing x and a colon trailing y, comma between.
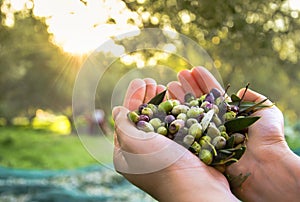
x: 266, y: 138
x: 185, y: 169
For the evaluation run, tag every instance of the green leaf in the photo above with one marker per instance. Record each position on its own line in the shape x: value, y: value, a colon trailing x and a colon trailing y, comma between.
x: 156, y: 100
x: 244, y: 104
x: 239, y: 153
x: 206, y: 119
x: 221, y: 157
x: 238, y: 124
x: 230, y: 142
x: 254, y: 107
x: 235, y: 98
x: 225, y: 151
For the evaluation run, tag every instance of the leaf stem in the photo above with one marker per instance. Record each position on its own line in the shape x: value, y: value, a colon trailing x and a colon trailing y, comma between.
x: 227, y: 87
x: 212, y: 146
x: 247, y: 86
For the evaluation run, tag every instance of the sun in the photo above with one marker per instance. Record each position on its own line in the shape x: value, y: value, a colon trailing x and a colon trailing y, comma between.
x: 81, y: 27
x: 294, y: 4
x: 75, y: 40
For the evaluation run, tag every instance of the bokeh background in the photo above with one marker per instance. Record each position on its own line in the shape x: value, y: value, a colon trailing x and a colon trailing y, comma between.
x: 44, y: 45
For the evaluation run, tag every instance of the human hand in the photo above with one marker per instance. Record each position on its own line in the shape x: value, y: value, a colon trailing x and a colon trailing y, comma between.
x: 158, y: 165
x: 267, y: 158
x: 274, y: 169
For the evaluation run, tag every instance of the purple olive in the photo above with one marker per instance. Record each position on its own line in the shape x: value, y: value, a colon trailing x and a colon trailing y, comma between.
x: 234, y: 108
x: 176, y: 125
x: 210, y: 98
x: 200, y: 117
x: 215, y: 92
x: 144, y: 117
x: 141, y: 107
x: 145, y: 126
x: 169, y: 119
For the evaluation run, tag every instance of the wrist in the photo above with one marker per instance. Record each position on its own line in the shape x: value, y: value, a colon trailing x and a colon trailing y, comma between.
x: 276, y: 179
x: 193, y: 188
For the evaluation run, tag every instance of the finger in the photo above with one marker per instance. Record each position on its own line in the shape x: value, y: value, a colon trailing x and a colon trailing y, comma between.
x: 129, y: 137
x: 188, y: 83
x: 160, y: 88
x: 119, y: 160
x: 150, y: 89
x: 274, y: 117
x: 141, y: 152
x: 253, y: 96
x: 132, y: 139
x: 116, y: 140
x: 176, y: 91
x: 205, y: 80
x: 135, y: 94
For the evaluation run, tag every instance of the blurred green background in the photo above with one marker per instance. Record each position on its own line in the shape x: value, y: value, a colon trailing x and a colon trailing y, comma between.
x: 43, y: 45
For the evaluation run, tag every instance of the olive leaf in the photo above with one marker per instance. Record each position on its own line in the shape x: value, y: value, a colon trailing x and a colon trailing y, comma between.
x: 156, y: 100
x: 235, y: 98
x: 244, y: 104
x: 254, y: 107
x: 230, y: 142
x: 224, y: 160
x: 206, y: 119
x: 239, y: 153
x: 222, y: 155
x: 225, y: 151
x: 238, y: 124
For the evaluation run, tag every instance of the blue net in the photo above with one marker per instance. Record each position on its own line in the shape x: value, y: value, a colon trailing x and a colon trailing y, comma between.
x: 297, y: 151
x: 89, y: 184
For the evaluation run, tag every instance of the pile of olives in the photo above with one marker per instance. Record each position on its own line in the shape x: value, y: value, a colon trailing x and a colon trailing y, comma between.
x: 213, y: 126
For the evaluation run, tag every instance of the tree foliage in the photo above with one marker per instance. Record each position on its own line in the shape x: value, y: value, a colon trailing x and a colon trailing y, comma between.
x: 249, y: 41
x: 29, y: 69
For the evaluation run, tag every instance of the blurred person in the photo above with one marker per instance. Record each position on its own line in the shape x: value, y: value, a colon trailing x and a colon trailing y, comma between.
x: 97, y: 119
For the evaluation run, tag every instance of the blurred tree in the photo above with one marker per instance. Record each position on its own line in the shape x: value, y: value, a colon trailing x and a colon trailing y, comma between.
x: 249, y: 41
x: 30, y: 69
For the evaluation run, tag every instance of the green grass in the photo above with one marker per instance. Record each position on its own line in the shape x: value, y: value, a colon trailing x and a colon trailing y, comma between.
x: 294, y: 143
x: 33, y: 149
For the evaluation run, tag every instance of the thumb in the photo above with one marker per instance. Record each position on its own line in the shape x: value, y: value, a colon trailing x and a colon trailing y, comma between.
x: 119, y: 110
x: 252, y: 96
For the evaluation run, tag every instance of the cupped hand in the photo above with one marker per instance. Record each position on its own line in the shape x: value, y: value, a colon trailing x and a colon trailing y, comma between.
x: 158, y: 165
x: 266, y: 153
x: 267, y: 157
